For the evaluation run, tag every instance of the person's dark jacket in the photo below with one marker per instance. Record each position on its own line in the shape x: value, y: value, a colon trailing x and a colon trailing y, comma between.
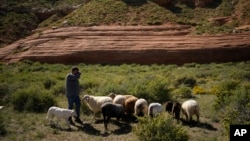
x: 72, y: 84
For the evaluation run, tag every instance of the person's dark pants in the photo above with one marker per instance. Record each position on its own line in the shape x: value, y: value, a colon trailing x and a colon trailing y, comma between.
x: 77, y: 101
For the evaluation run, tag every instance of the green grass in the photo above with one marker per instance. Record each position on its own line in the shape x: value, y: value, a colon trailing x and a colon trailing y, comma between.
x: 110, y: 12
x: 152, y: 82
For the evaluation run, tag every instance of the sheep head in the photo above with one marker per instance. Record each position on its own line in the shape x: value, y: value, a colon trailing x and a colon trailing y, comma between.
x: 112, y: 95
x: 86, y: 98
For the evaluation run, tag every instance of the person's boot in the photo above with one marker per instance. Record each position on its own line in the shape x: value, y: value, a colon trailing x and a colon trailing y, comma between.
x: 71, y: 121
x: 78, y: 120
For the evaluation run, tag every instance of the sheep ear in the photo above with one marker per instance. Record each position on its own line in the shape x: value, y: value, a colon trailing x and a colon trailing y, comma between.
x: 86, y: 98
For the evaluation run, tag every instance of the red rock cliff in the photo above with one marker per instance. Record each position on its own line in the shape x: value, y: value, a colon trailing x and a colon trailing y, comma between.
x: 168, y: 44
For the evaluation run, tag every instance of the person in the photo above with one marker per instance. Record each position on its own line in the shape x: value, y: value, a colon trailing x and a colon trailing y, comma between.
x: 72, y: 93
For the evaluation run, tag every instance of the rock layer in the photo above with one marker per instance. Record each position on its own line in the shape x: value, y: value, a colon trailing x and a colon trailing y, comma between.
x: 168, y: 44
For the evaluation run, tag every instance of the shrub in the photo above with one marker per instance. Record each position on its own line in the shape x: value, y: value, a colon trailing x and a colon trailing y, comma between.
x: 162, y: 127
x: 32, y: 99
x: 224, y: 91
x: 158, y: 91
x: 185, y: 80
x: 4, y: 93
x: 237, y: 109
x: 48, y: 83
x: 199, y: 90
x: 58, y: 89
x: 182, y: 92
x: 3, y: 130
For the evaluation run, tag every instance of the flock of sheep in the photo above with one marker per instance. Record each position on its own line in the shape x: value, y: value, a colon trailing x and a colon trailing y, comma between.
x: 116, y: 105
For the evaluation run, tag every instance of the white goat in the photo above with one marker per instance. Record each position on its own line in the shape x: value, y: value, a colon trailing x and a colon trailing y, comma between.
x: 59, y: 113
x: 95, y: 102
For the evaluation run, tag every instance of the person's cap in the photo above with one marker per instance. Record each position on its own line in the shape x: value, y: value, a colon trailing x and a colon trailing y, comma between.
x: 74, y: 68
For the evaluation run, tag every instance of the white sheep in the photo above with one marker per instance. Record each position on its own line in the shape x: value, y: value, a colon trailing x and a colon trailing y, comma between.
x: 189, y: 108
x: 59, y: 113
x: 154, y: 109
x: 119, y: 99
x: 95, y: 102
x: 141, y: 107
x: 113, y: 95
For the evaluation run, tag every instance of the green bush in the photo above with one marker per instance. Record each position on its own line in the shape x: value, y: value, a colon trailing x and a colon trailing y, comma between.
x: 4, y: 93
x: 158, y: 91
x: 182, y: 92
x: 185, y: 80
x: 224, y: 91
x: 32, y: 99
x: 58, y: 89
x: 160, y: 128
x: 237, y: 109
x: 3, y: 130
x: 48, y: 83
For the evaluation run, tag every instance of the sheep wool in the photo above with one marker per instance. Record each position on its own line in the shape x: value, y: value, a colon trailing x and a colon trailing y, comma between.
x: 59, y: 113
x: 189, y: 108
x: 95, y: 102
x: 130, y: 104
x: 141, y: 107
x: 154, y: 109
x: 111, y: 110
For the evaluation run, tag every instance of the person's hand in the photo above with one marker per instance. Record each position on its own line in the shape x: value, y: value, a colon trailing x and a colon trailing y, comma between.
x: 78, y: 73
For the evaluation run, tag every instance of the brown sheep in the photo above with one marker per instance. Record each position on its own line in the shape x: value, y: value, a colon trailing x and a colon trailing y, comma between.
x: 130, y: 104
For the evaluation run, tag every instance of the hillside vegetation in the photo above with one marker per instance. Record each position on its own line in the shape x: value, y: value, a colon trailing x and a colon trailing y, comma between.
x: 19, y: 17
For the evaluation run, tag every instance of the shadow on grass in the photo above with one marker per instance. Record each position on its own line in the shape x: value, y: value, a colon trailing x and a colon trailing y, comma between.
x: 53, y: 126
x: 198, y: 124
x: 88, y: 128
x: 124, y: 128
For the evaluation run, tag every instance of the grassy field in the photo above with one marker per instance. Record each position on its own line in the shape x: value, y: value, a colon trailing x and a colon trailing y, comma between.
x: 213, y: 85
x: 24, y: 126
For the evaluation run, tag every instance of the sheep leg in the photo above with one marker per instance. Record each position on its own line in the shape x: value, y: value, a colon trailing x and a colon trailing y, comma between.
x: 68, y: 123
x: 197, y: 115
x: 50, y: 118
x: 107, y: 121
x: 50, y: 121
x: 57, y: 123
x: 187, y: 119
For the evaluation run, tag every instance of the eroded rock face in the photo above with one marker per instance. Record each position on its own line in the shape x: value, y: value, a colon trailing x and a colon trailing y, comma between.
x: 168, y: 44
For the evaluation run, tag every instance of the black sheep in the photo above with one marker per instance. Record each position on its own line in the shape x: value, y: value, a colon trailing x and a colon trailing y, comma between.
x: 169, y: 106
x: 111, y: 110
